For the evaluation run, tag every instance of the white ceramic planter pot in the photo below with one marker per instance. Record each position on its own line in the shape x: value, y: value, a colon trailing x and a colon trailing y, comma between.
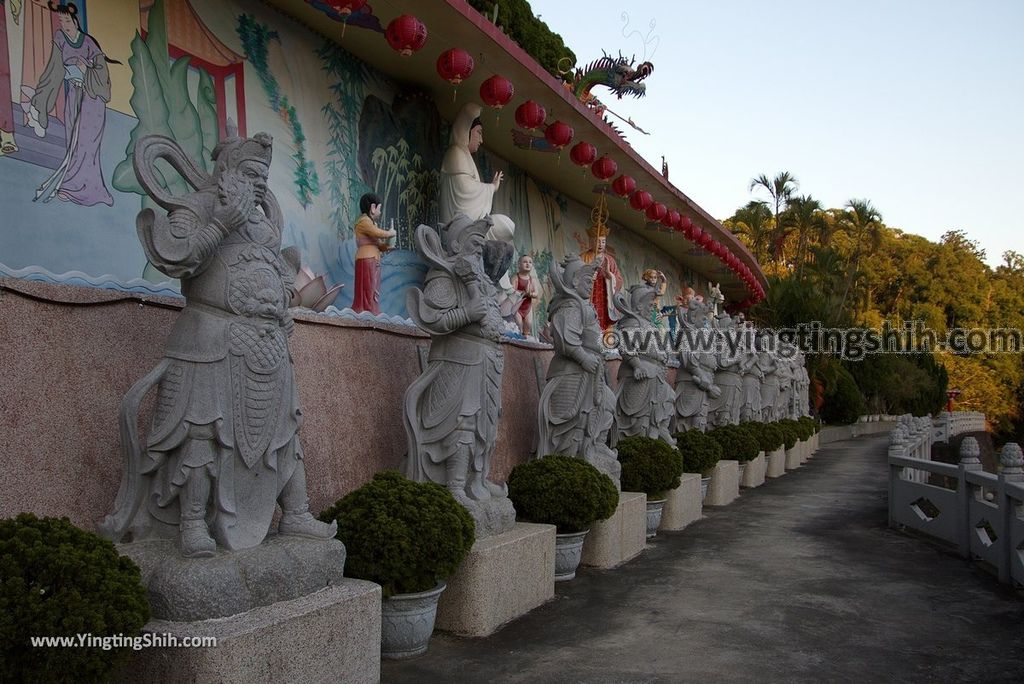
x: 407, y: 621
x: 568, y: 550
x: 654, y: 509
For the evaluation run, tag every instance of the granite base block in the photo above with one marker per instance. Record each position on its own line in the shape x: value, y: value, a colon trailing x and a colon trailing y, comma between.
x: 754, y: 473
x: 805, y: 450
x: 724, y: 487
x: 621, y: 537
x: 331, y: 635
x: 776, y: 466
x: 793, y: 457
x: 683, y: 504
x: 503, y: 577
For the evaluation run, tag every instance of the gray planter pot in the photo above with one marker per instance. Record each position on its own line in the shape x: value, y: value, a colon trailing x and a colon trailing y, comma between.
x: 407, y: 621
x: 654, y: 509
x: 705, y: 480
x: 568, y: 550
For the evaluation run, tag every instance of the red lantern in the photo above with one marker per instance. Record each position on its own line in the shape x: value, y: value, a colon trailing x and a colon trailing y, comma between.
x: 686, y: 224
x: 406, y: 34
x: 496, y: 91
x: 656, y: 211
x: 672, y: 219
x: 623, y: 185
x: 604, y: 168
x: 559, y: 134
x: 583, y: 153
x: 346, y: 7
x: 696, y: 235
x: 455, y: 65
x: 530, y: 115
x: 706, y: 241
x: 640, y: 200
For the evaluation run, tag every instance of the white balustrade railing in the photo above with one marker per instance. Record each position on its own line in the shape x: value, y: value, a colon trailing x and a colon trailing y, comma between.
x: 981, y: 514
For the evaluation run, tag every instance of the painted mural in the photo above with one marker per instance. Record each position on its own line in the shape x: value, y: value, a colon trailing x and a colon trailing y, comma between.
x: 82, y: 81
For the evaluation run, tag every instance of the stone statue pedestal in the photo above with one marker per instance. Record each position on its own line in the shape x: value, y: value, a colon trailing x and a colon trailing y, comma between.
x: 682, y: 505
x: 621, y: 537
x: 805, y: 450
x: 331, y: 635
x: 189, y: 589
x: 724, y: 487
x: 793, y: 459
x: 776, y: 463
x: 754, y: 473
x: 504, y: 577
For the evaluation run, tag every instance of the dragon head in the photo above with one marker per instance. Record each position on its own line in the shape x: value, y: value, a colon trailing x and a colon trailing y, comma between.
x: 626, y: 80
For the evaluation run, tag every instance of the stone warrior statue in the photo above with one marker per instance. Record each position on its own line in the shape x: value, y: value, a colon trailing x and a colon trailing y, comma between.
x: 224, y: 447
x: 452, y: 409
x: 695, y: 377
x: 645, y: 401
x: 577, y: 408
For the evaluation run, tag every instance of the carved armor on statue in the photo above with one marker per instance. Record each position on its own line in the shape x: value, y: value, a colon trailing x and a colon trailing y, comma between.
x: 768, y: 364
x: 577, y: 408
x: 452, y: 409
x: 725, y: 410
x: 224, y: 448
x: 695, y: 377
x: 645, y: 400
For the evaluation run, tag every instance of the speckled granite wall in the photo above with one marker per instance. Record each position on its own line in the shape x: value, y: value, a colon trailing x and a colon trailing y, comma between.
x: 69, y: 354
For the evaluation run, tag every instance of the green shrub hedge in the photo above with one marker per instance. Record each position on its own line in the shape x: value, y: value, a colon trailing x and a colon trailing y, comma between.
x: 700, y: 453
x: 406, y: 536
x: 649, y: 465
x: 563, y: 491
x: 737, y: 442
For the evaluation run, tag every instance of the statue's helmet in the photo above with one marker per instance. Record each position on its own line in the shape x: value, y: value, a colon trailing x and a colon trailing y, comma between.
x: 233, y: 150
x: 574, y: 270
x: 457, y: 231
x: 641, y: 297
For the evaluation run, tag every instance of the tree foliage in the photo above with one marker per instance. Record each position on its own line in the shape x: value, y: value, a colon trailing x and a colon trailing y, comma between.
x: 517, y: 20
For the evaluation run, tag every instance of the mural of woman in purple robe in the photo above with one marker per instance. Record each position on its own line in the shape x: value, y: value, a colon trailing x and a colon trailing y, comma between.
x: 78, y: 66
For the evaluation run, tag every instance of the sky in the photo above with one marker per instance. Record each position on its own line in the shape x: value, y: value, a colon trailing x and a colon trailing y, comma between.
x: 915, y: 105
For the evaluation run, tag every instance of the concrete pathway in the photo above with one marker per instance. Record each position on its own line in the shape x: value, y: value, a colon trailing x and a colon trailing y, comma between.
x: 798, y: 580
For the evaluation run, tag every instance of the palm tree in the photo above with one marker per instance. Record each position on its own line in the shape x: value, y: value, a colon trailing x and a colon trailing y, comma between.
x: 804, y: 215
x: 753, y: 221
x: 781, y: 188
x: 863, y: 223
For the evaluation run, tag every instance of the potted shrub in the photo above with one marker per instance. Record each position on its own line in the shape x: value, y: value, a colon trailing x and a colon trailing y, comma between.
x: 59, y: 580
x: 700, y: 455
x: 568, y: 493
x: 736, y: 442
x: 653, y: 467
x: 408, y: 537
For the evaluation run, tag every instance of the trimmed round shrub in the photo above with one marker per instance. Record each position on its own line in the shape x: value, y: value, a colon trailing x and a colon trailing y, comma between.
x: 563, y: 491
x: 700, y: 453
x: 809, y: 426
x: 737, y: 442
x: 791, y: 431
x: 59, y: 580
x: 649, y: 465
x: 769, y: 436
x: 406, y: 536
x: 844, y: 404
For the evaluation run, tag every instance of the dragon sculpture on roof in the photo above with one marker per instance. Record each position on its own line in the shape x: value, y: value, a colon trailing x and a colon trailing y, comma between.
x: 618, y: 74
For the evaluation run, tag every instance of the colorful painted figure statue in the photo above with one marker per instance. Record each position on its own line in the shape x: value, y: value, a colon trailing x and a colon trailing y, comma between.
x: 452, y: 409
x: 609, y: 279
x: 224, y: 447
x: 526, y: 282
x: 645, y: 400
x: 78, y: 68
x: 659, y: 282
x: 577, y: 408
x: 371, y: 241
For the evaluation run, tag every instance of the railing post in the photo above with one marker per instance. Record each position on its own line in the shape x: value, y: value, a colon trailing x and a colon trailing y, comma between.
x: 1012, y: 462
x: 969, y: 461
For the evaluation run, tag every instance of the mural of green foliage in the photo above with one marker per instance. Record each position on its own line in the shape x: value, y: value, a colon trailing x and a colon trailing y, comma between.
x: 161, y: 101
x: 342, y: 118
x: 256, y: 39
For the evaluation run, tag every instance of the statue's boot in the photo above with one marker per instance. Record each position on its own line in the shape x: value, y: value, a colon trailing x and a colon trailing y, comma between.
x: 296, y: 520
x: 194, y: 534
x: 456, y: 469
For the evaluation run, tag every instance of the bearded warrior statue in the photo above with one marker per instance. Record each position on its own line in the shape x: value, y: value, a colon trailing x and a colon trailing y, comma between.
x: 645, y: 401
x: 223, y: 450
x: 577, y: 408
x: 695, y: 377
x: 452, y: 409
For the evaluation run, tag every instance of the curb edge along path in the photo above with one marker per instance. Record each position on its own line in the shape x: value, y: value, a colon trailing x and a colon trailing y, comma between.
x: 798, y: 580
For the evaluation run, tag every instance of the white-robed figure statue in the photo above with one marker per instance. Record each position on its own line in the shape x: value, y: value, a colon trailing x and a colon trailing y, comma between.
x: 461, y: 190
